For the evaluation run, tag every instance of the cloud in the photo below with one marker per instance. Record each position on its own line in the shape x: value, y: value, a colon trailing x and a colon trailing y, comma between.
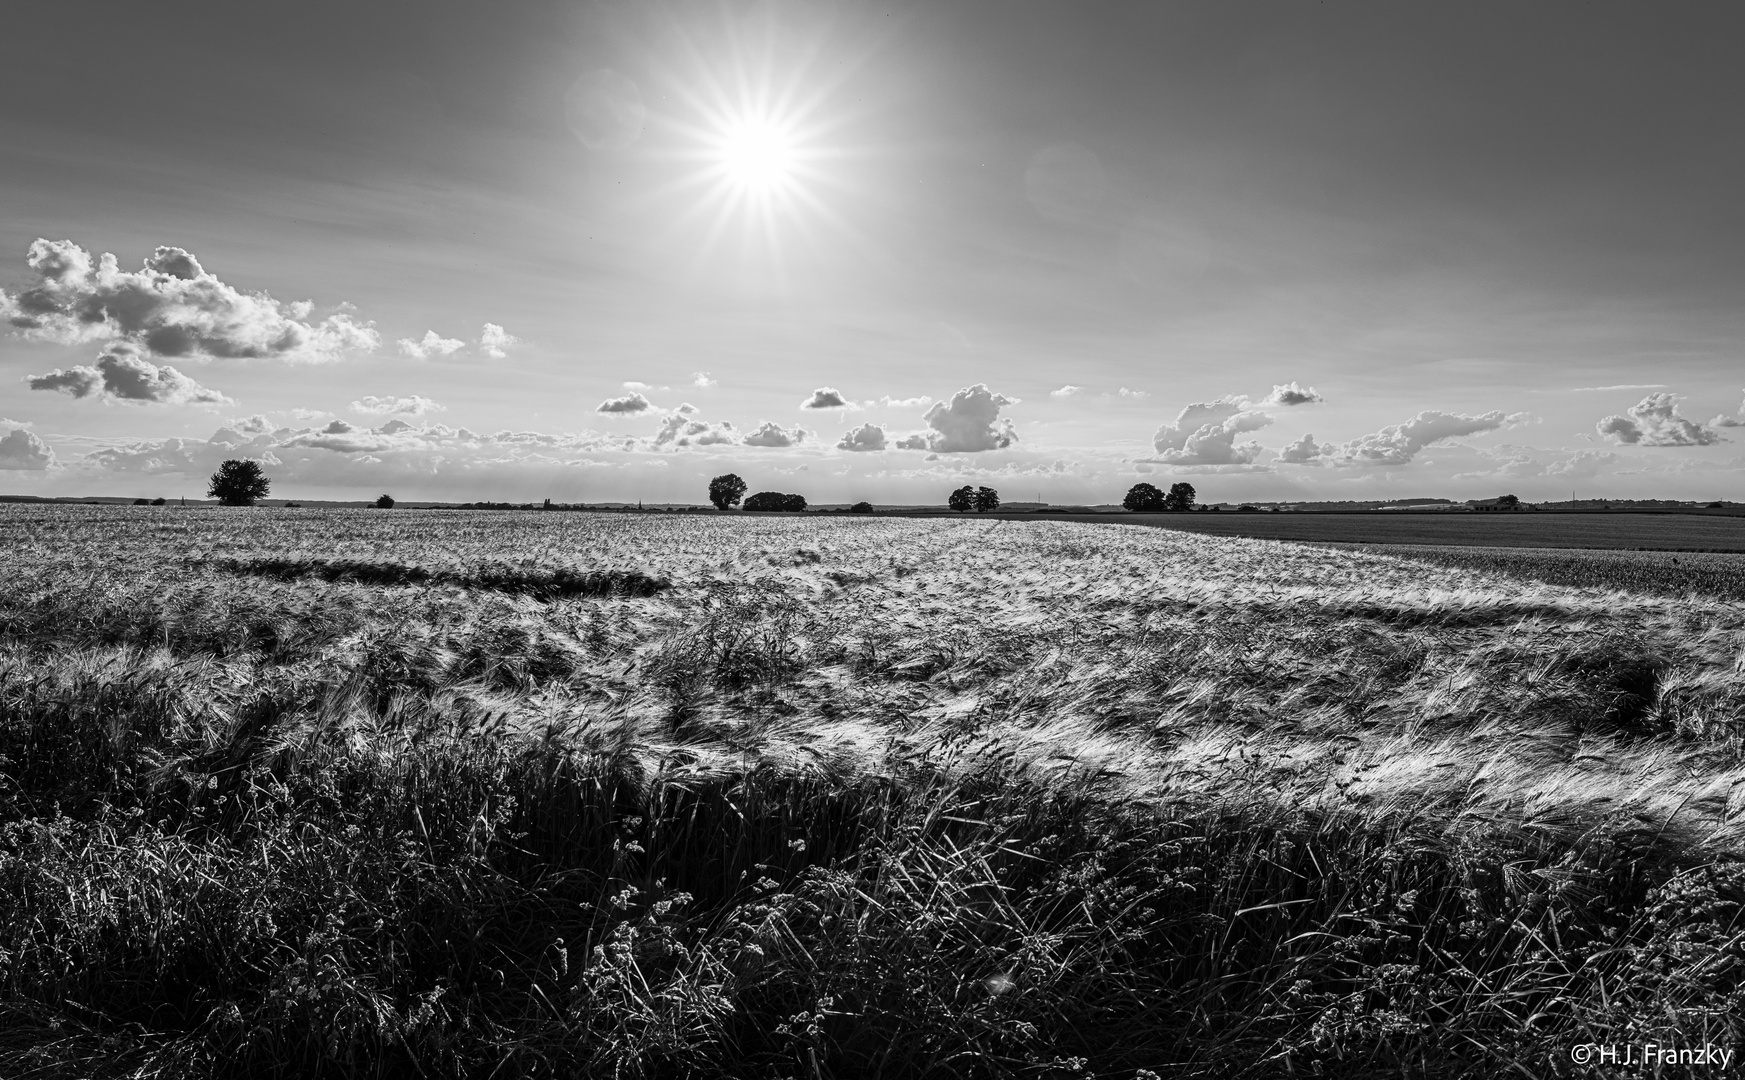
x: 1066, y: 391
x: 22, y: 451
x: 1397, y: 444
x: 1305, y: 451
x: 122, y: 375
x: 769, y: 434
x: 634, y: 385
x: 701, y: 378
x: 913, y: 442
x: 1204, y: 433
x: 1736, y: 420
x: 412, y: 405
x: 629, y: 405
x: 1292, y: 393
x: 433, y: 344
x: 826, y: 397
x: 863, y: 439
x: 251, y: 425
x: 495, y: 342
x: 679, y: 430
x: 919, y: 402
x: 969, y: 423
x: 394, y: 453
x: 1126, y: 393
x: 1619, y: 386
x: 172, y: 307
x: 1581, y: 464
x: 1654, y: 421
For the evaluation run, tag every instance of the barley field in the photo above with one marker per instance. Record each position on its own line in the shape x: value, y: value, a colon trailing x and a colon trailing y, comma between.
x: 391, y: 793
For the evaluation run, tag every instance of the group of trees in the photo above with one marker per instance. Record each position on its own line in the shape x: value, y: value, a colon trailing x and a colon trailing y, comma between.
x: 980, y: 500
x: 242, y: 483
x: 727, y: 490
x: 775, y: 500
x: 1149, y: 499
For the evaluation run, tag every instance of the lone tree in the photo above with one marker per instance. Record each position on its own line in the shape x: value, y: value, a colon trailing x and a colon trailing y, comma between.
x: 239, y: 483
x: 964, y: 498
x: 861, y: 508
x: 1144, y: 499
x: 986, y: 499
x: 1180, y: 497
x: 385, y: 502
x: 726, y: 491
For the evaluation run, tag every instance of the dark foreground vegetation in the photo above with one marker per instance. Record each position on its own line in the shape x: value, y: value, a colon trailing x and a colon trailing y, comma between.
x: 849, y: 799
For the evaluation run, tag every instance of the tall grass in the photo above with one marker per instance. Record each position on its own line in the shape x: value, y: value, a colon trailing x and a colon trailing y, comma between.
x: 851, y: 799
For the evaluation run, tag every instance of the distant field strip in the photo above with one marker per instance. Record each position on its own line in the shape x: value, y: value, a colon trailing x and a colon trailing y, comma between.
x: 1647, y: 532
x: 1663, y: 573
x: 544, y: 583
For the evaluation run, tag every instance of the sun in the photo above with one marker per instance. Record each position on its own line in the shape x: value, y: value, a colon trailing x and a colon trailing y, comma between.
x: 758, y: 155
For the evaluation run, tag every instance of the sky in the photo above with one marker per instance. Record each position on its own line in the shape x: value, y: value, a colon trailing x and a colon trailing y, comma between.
x: 606, y: 251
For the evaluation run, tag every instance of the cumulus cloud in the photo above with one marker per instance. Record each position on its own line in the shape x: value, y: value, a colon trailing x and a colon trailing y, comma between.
x: 1654, y: 421
x: 769, y: 434
x: 1204, y: 433
x: 122, y: 374
x: 969, y: 423
x: 913, y: 442
x: 172, y: 307
x: 1581, y: 464
x: 1305, y: 451
x: 701, y: 378
x: 22, y: 451
x: 1126, y: 393
x: 826, y: 397
x: 411, y: 405
x: 680, y: 430
x: 919, y: 402
x: 634, y: 385
x: 863, y: 439
x: 433, y: 344
x: 495, y: 342
x: 1066, y: 391
x: 1397, y: 444
x: 1736, y: 420
x: 1292, y: 393
x: 628, y: 405
x: 257, y: 424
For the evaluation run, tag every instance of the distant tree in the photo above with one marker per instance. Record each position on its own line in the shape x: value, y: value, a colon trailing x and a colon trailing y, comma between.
x: 385, y: 502
x: 1180, y: 497
x: 986, y: 498
x: 861, y: 508
x: 794, y: 504
x: 774, y: 500
x: 1509, y: 502
x: 964, y: 498
x: 1143, y: 499
x: 159, y: 501
x: 725, y: 491
x: 239, y: 483
x: 142, y: 502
